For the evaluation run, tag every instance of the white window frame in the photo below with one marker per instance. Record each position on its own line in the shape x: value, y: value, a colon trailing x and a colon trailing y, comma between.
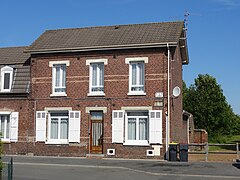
x: 13, y: 126
x: 136, y: 142
x: 3, y: 136
x: 43, y: 125
x: 132, y: 61
x: 90, y: 63
x: 5, y: 70
x: 53, y: 64
x: 58, y: 140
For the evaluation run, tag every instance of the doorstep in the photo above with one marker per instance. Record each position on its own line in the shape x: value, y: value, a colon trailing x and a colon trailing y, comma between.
x: 95, y: 156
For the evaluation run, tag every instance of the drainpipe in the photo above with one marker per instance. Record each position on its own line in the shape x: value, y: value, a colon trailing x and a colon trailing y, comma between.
x: 168, y: 102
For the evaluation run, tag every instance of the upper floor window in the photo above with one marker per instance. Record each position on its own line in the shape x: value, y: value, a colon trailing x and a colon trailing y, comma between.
x: 59, y: 77
x: 6, y: 79
x: 136, y: 75
x: 96, y: 76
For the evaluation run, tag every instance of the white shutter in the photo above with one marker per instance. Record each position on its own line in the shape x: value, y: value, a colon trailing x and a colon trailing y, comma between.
x: 14, y: 127
x: 41, y: 125
x: 117, y: 126
x: 155, y: 126
x: 74, y: 126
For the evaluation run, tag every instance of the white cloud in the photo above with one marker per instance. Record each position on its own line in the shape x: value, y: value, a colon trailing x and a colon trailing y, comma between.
x: 229, y: 4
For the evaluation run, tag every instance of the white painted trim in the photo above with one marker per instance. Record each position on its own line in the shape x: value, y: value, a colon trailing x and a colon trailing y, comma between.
x: 96, y: 94
x: 58, y: 95
x: 4, y: 70
x: 56, y: 142
x: 136, y: 59
x: 58, y: 109
x: 51, y: 63
x: 111, y: 154
x: 136, y: 143
x: 136, y: 93
x: 150, y: 154
x: 88, y: 109
x: 136, y: 108
x: 89, y: 61
x: 5, y: 112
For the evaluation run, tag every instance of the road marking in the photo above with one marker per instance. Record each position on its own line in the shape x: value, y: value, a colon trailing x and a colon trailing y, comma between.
x: 130, y: 169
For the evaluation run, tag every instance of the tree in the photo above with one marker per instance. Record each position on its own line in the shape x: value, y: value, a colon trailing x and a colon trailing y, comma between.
x: 205, y: 100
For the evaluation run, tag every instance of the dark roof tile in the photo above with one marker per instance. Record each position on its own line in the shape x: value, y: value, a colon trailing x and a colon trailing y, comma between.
x: 108, y: 36
x: 13, y: 55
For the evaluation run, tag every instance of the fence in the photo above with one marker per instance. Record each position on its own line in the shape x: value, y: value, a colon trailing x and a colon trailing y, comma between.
x: 7, y: 170
x: 204, y: 149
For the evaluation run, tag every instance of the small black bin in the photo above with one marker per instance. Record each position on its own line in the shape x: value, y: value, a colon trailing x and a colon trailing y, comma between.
x: 173, y: 152
x: 183, y: 152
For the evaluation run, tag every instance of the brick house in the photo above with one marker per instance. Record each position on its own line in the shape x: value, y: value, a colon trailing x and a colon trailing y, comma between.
x: 14, y: 93
x: 111, y: 90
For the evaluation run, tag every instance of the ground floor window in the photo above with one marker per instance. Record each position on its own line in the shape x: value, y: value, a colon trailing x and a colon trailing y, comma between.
x: 9, y: 126
x: 5, y: 126
x: 137, y: 127
x: 58, y: 127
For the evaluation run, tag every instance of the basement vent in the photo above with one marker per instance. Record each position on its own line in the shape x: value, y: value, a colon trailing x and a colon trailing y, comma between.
x: 150, y: 152
x: 111, y: 152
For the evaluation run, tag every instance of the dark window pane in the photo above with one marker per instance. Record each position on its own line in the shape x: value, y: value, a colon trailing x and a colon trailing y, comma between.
x: 6, y: 81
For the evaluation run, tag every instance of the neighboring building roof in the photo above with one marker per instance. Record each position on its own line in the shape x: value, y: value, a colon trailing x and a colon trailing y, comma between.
x: 108, y: 37
x: 13, y: 55
x: 19, y: 61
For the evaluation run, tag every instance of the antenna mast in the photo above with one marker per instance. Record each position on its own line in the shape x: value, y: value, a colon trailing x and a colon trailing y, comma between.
x: 186, y: 19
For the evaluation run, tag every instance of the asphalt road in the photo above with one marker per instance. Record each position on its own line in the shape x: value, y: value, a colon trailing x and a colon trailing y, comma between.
x: 43, y: 168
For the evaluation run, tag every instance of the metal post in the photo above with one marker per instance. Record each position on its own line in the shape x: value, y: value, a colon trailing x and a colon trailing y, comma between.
x: 237, y: 149
x: 206, y: 151
x: 11, y: 168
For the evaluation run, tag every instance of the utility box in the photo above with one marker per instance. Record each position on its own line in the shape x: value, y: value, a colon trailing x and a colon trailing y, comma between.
x: 183, y: 152
x: 173, y: 149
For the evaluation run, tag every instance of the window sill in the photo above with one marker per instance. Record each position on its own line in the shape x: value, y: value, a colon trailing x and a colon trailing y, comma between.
x: 58, y: 95
x: 57, y: 142
x: 136, y: 143
x: 136, y: 94
x: 96, y: 94
x: 6, y: 141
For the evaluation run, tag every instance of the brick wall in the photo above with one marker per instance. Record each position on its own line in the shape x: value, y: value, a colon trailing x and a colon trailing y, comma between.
x: 116, y: 82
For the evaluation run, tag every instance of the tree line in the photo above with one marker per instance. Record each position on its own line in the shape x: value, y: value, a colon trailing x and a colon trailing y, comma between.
x: 211, y: 111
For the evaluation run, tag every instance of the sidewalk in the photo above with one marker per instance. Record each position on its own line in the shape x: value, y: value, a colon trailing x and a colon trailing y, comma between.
x: 154, y: 167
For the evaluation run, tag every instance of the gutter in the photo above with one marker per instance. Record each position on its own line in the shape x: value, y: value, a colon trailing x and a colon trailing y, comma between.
x: 99, y: 48
x: 168, y: 102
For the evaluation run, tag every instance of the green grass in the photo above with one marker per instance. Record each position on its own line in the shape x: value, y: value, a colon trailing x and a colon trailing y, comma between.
x: 224, y: 140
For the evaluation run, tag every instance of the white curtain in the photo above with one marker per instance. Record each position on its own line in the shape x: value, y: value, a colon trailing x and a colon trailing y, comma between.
x: 134, y: 74
x: 142, y: 129
x: 141, y: 74
x: 54, y: 128
x: 63, y: 75
x: 101, y: 74
x: 64, y: 128
x: 131, y: 129
x: 57, y: 80
x: 94, y: 74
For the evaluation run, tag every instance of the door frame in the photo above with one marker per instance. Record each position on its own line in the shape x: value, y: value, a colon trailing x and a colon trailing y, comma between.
x: 96, y: 149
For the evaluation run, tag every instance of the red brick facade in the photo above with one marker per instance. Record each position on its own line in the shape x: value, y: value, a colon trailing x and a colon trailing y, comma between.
x: 116, y: 87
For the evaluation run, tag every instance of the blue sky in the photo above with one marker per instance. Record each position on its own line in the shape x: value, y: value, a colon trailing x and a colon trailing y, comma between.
x: 213, y: 29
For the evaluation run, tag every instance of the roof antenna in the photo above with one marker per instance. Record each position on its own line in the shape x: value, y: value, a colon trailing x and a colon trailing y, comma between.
x: 186, y: 20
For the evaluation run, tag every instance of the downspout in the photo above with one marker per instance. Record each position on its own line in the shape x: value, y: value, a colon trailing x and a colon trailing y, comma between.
x: 168, y: 102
